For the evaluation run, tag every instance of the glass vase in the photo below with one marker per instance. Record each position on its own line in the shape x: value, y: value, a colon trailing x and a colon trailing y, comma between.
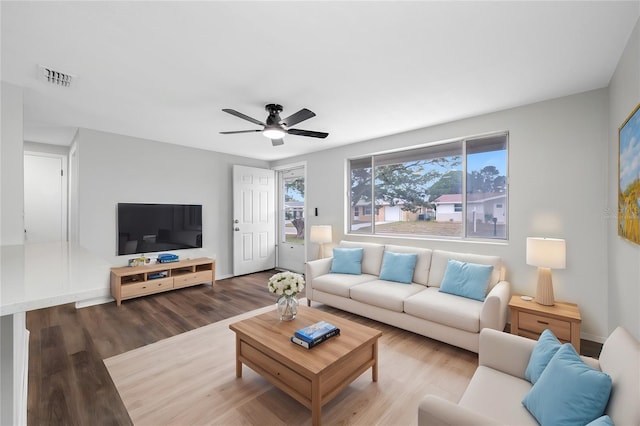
x: 287, y: 307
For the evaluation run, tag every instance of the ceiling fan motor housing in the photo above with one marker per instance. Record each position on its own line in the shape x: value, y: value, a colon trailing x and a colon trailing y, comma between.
x: 273, y: 108
x: 274, y: 111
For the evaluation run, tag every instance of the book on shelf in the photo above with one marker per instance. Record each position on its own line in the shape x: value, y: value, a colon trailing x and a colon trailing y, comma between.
x: 310, y: 345
x: 317, y: 332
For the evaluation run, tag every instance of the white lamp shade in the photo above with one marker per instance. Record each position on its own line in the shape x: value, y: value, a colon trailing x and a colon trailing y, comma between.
x: 320, y: 234
x: 547, y: 252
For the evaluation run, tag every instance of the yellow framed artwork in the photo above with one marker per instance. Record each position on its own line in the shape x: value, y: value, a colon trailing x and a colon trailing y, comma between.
x: 629, y: 177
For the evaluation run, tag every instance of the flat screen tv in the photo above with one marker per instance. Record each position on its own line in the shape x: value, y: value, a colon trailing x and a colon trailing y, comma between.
x: 148, y: 228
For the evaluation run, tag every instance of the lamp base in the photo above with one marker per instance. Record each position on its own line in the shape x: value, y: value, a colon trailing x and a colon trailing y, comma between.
x: 544, y: 291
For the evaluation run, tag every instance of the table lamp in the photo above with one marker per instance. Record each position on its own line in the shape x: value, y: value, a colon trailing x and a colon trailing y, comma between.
x: 320, y: 234
x: 546, y: 254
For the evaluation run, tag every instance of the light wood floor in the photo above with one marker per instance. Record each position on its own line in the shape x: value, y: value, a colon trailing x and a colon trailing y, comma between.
x: 190, y: 380
x: 70, y: 385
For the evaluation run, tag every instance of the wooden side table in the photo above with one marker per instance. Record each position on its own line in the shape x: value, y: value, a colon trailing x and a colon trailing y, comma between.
x: 530, y: 319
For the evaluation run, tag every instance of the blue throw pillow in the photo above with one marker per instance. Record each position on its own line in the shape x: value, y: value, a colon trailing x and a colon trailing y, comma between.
x: 398, y: 267
x: 568, y: 392
x: 547, y: 346
x: 347, y: 261
x: 602, y: 421
x: 468, y: 280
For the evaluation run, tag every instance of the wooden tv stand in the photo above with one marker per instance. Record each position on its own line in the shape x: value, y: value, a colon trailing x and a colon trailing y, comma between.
x: 128, y: 282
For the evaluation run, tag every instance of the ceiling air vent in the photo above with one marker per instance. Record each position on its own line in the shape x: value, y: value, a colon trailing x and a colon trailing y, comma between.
x: 57, y: 78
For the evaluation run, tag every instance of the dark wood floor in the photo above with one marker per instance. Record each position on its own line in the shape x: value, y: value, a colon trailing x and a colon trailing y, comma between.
x: 68, y: 382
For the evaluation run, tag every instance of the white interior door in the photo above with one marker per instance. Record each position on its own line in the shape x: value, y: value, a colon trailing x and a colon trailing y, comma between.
x: 45, y: 216
x: 254, y: 226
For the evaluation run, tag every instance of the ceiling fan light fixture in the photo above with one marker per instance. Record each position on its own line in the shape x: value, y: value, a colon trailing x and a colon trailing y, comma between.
x: 273, y: 133
x: 274, y: 127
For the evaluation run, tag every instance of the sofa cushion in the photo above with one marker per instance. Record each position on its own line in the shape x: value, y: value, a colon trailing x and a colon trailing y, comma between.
x: 347, y: 261
x: 466, y: 279
x: 498, y: 395
x: 398, y: 267
x: 384, y: 294
x: 546, y: 347
x: 602, y: 421
x: 620, y: 359
x: 440, y: 258
x: 423, y: 261
x: 569, y: 392
x: 339, y: 284
x: 447, y: 309
x: 371, y: 255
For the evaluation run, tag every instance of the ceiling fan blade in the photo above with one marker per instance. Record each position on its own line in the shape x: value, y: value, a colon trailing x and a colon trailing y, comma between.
x: 240, y: 131
x: 300, y: 116
x: 276, y: 142
x: 300, y: 132
x: 244, y: 117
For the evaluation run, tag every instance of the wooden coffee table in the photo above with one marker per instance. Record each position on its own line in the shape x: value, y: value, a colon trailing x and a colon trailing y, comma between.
x: 311, y: 376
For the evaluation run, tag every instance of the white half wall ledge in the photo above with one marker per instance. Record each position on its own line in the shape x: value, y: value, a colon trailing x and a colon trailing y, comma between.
x: 41, y: 275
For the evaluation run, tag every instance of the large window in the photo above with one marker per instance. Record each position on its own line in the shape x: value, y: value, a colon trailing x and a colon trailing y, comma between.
x: 453, y: 189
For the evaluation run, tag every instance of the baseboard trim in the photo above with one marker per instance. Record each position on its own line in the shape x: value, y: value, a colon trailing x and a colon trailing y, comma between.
x: 95, y: 301
x: 592, y: 337
x: 224, y: 277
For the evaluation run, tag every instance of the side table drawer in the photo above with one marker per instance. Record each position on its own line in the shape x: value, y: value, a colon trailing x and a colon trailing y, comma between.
x: 538, y: 323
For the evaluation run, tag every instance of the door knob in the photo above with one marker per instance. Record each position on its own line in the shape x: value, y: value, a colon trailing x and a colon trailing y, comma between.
x: 236, y: 229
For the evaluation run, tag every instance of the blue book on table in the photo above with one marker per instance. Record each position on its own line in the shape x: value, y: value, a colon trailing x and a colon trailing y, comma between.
x: 317, y: 332
x: 308, y: 345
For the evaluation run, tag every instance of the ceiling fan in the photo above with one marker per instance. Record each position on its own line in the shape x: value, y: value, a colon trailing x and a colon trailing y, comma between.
x: 275, y: 127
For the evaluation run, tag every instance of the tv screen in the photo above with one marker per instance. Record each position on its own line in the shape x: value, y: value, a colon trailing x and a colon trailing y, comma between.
x: 147, y: 228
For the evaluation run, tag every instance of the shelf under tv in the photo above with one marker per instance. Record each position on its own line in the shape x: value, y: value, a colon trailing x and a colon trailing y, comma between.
x: 128, y: 282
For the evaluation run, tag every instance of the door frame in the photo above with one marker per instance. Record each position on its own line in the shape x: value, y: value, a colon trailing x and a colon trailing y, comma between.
x: 278, y: 170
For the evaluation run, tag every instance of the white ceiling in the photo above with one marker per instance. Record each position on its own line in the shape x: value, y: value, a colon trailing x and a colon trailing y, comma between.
x: 164, y: 70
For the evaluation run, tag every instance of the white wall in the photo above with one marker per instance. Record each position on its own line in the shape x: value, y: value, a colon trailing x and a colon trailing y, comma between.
x: 624, y: 256
x: 115, y: 168
x: 11, y: 166
x: 13, y: 334
x: 557, y: 188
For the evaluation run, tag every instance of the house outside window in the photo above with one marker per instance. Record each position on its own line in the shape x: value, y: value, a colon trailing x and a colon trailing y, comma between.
x: 452, y: 189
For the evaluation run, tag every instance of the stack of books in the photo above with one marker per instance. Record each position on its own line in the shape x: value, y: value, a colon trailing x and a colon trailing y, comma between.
x: 313, y: 335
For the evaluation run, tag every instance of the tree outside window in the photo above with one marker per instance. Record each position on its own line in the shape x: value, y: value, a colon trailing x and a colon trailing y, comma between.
x: 452, y: 189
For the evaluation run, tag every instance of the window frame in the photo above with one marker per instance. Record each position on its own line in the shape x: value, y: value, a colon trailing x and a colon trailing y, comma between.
x: 370, y: 159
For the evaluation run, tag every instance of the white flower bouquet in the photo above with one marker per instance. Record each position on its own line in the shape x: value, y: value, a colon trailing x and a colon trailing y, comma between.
x: 286, y: 284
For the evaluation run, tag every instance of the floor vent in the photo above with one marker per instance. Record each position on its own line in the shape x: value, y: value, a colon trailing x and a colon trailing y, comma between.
x: 57, y: 78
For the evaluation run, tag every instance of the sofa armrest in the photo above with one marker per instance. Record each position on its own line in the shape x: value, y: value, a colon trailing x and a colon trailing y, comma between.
x: 495, y: 308
x: 436, y: 411
x: 314, y: 269
x: 505, y: 352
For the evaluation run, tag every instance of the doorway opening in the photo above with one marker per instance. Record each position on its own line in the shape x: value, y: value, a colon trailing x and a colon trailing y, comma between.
x: 291, y: 219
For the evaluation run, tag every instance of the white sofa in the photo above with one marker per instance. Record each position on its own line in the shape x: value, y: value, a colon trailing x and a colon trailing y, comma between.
x: 498, y: 386
x: 419, y: 306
